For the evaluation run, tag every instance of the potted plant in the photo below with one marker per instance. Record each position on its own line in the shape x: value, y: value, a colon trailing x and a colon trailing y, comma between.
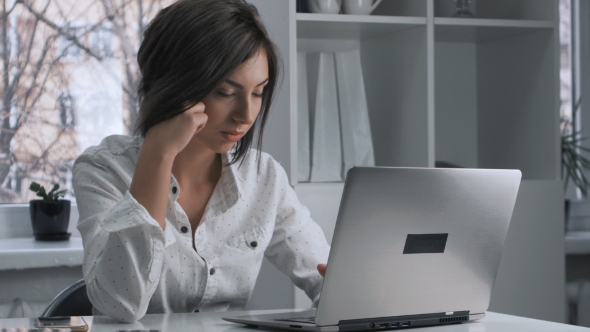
x: 575, y: 162
x: 50, y: 216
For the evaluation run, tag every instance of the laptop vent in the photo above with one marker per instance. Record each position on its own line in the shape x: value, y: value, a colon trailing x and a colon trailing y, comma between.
x: 457, y: 319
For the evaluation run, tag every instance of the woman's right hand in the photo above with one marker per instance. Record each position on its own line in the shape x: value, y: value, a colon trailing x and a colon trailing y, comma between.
x: 173, y: 135
x: 322, y: 269
x: 162, y: 143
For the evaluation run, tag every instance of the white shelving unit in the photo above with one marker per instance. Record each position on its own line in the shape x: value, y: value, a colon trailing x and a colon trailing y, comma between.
x: 405, y: 63
x: 477, y: 92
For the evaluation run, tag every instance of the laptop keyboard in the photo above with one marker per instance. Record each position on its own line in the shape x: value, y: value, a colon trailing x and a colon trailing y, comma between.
x: 308, y: 320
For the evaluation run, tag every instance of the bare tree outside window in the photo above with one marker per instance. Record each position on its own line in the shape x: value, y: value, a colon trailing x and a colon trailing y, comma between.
x: 69, y: 77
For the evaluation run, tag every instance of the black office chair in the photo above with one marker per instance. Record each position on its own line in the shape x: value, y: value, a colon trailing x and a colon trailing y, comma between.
x: 72, y: 301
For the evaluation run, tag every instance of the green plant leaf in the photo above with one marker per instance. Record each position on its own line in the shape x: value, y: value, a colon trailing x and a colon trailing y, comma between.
x: 55, y: 187
x: 584, y: 182
x: 35, y: 187
x: 574, y: 162
x: 569, y: 161
x: 567, y: 178
x: 60, y: 193
x: 42, y: 193
x: 573, y: 169
x: 574, y: 139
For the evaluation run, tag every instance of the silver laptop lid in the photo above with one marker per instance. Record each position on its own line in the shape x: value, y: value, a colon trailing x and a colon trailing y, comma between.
x: 412, y: 241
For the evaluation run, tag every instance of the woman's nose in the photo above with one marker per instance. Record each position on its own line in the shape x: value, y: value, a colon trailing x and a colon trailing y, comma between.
x: 246, y: 112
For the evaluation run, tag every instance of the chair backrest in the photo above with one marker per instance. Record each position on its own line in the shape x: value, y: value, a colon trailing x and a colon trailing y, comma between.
x: 72, y: 301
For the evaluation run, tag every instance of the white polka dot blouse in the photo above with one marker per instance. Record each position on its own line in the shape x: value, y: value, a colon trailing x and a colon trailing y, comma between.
x: 132, y: 267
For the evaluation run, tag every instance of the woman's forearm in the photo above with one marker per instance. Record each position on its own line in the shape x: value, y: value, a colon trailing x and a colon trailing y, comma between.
x: 151, y: 181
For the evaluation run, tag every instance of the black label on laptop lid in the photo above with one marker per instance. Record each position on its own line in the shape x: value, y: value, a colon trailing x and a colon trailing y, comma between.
x: 425, y: 243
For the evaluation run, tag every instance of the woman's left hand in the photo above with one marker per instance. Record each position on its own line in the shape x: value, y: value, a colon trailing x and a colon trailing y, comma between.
x: 322, y: 269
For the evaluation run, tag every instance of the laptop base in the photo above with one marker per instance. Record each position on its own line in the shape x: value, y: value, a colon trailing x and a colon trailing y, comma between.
x: 289, y: 321
x: 385, y: 323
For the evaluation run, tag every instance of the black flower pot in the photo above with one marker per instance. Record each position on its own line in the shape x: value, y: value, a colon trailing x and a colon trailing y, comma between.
x: 50, y: 219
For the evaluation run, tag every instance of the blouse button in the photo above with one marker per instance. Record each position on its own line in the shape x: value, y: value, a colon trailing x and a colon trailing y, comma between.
x: 212, y: 271
x: 174, y: 190
x: 253, y: 244
x: 184, y: 229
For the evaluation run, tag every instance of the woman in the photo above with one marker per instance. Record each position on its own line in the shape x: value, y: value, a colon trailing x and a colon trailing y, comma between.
x: 178, y: 218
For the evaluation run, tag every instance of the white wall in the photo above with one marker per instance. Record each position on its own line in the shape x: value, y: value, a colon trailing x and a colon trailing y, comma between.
x: 531, y: 277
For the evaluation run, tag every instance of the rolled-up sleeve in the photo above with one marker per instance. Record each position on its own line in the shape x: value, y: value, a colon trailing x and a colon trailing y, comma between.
x: 298, y: 243
x: 123, y: 244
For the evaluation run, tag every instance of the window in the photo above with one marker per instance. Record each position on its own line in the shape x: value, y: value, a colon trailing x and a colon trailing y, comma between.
x: 77, y: 87
x: 565, y: 73
x: 570, y: 74
x: 101, y: 40
x: 66, y: 49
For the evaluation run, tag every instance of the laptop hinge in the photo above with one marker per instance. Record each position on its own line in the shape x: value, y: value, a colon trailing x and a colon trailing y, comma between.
x: 404, y: 321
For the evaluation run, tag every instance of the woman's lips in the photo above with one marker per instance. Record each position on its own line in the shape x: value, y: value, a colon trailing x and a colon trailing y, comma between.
x: 232, y: 136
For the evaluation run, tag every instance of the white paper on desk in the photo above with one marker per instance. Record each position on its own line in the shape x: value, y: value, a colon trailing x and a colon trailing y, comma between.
x: 357, y: 142
x: 303, y: 120
x: 326, y: 161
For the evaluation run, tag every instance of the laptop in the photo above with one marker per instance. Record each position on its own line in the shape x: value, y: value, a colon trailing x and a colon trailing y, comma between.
x: 411, y: 247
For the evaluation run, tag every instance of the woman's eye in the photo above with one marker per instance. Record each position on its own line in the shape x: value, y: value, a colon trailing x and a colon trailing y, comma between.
x: 261, y: 94
x: 225, y: 95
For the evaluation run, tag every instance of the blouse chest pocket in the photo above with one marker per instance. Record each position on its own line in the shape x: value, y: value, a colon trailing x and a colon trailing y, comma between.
x: 253, y: 239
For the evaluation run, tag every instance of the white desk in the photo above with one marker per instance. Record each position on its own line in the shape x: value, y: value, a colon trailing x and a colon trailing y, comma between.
x: 193, y: 322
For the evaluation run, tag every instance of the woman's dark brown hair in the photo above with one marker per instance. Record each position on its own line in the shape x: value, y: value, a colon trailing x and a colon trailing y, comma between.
x: 192, y: 47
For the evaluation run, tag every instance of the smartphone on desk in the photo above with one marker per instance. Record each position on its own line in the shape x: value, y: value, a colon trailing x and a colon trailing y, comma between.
x: 73, y: 323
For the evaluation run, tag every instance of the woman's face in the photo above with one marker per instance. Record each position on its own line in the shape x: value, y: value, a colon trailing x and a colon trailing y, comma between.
x: 233, y: 106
